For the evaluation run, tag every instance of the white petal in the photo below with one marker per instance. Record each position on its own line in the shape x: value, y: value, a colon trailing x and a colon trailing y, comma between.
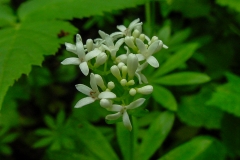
x: 136, y: 103
x: 79, y: 46
x: 143, y: 78
x: 153, y: 61
x: 68, y: 61
x: 71, y: 48
x: 116, y: 107
x: 153, y: 47
x: 84, y: 102
x: 92, y: 54
x: 122, y: 58
x: 121, y: 28
x: 119, y: 43
x: 84, y: 68
x: 126, y: 121
x: 140, y: 57
x: 93, y: 83
x: 116, y: 35
x: 113, y: 116
x: 141, y: 46
x: 106, y: 94
x: 83, y: 89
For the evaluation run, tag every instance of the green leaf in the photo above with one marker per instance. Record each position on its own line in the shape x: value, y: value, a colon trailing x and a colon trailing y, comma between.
x: 183, y: 78
x: 199, y: 148
x: 43, y: 132
x: 155, y: 135
x: 192, y: 8
x: 69, y: 9
x: 9, y: 138
x: 230, y: 132
x: 177, y: 59
x: 194, y: 112
x: 7, y: 17
x: 164, y: 97
x: 43, y: 142
x: 227, y: 96
x: 234, y: 4
x: 127, y: 139
x: 179, y: 37
x: 66, y: 155
x: 95, y: 142
x: 50, y: 122
x: 24, y: 45
x: 55, y: 145
x: 60, y: 118
x: 5, y: 149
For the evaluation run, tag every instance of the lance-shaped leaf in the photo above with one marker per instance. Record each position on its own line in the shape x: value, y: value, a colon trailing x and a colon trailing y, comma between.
x: 199, y: 148
x: 177, y: 59
x: 230, y: 3
x: 127, y: 140
x: 69, y: 9
x: 155, y: 135
x: 164, y: 97
x: 95, y: 142
x: 25, y: 44
x: 183, y: 78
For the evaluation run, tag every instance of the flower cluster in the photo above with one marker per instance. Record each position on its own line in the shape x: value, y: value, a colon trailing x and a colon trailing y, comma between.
x: 116, y: 62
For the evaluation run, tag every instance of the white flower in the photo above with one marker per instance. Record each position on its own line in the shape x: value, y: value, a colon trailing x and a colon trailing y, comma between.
x: 146, y: 53
x: 133, y: 25
x: 92, y: 93
x: 122, y: 111
x: 108, y: 40
x: 141, y: 77
x: 82, y: 59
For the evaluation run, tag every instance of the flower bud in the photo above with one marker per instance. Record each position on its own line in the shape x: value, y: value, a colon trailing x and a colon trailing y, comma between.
x: 105, y: 103
x: 131, y: 82
x: 130, y: 42
x: 100, y: 82
x: 120, y: 65
x: 136, y: 33
x: 89, y: 45
x: 132, y: 92
x: 101, y: 59
x: 145, y: 90
x: 115, y: 71
x: 132, y: 65
x: 123, y: 82
x: 111, y: 85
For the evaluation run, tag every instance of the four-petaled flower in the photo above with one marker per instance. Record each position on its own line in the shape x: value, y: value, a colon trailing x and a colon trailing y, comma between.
x: 82, y: 59
x: 146, y: 53
x: 92, y: 93
x: 122, y: 111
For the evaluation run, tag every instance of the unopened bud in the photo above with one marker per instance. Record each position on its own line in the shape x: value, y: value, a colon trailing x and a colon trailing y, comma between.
x: 101, y: 59
x: 111, y: 85
x: 99, y: 81
x: 132, y: 92
x: 115, y: 71
x: 89, y: 45
x: 105, y: 103
x: 123, y: 82
x: 145, y: 90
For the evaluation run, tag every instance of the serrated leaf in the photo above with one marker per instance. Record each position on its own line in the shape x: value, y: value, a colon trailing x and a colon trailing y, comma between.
x: 155, y: 135
x: 95, y: 142
x: 183, y: 78
x: 7, y: 17
x: 164, y: 97
x: 194, y: 112
x: 234, y: 4
x: 24, y: 45
x: 177, y: 59
x: 199, y: 148
x: 227, y: 96
x: 69, y: 9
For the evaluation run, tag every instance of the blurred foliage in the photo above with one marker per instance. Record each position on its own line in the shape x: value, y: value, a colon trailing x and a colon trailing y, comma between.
x: 194, y: 111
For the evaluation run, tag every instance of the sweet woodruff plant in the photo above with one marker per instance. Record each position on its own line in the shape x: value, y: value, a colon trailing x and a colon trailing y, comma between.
x: 115, y: 63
